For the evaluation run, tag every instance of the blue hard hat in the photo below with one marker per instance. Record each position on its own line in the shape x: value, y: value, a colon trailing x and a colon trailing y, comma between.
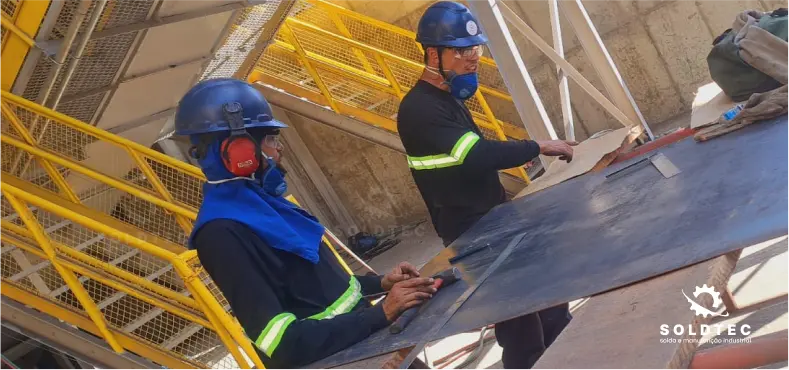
x: 449, y: 24
x: 202, y: 109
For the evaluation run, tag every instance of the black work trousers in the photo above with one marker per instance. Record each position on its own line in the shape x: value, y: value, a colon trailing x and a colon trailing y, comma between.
x: 523, y: 339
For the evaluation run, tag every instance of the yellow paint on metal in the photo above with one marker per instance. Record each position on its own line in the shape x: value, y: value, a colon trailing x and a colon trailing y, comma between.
x: 308, y: 65
x: 68, y: 276
x: 101, y: 134
x: 27, y: 20
x: 185, y: 223
x: 76, y: 319
x: 216, y: 314
x: 53, y: 173
x: 325, y: 54
x: 110, y: 269
x: 220, y: 320
x: 131, y: 189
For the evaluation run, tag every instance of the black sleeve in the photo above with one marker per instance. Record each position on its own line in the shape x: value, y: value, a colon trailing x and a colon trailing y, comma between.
x: 370, y: 283
x: 446, y: 137
x: 286, y: 339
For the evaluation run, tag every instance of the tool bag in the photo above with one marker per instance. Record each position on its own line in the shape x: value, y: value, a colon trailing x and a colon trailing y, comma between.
x: 729, y: 66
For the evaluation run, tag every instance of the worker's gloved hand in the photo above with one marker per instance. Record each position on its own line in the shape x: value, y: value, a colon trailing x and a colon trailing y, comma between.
x: 403, y: 271
x: 407, y: 294
x: 561, y: 148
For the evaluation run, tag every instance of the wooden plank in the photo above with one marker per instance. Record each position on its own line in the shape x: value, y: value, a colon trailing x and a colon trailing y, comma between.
x: 628, y: 322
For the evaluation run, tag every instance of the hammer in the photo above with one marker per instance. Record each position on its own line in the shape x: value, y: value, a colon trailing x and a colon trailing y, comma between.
x: 441, y: 280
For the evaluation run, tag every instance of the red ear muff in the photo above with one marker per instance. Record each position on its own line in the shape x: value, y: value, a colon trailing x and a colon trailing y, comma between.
x: 240, y: 155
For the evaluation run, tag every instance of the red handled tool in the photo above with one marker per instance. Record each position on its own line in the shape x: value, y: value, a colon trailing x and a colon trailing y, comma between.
x: 441, y: 280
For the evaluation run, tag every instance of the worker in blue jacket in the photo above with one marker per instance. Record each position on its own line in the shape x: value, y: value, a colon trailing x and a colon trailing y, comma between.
x: 288, y: 291
x: 456, y: 168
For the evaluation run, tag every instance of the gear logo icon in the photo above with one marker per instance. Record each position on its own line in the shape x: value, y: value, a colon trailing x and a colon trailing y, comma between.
x: 700, y: 310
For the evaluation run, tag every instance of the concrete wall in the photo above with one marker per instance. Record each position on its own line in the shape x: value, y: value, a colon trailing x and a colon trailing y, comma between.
x: 660, y: 48
x: 372, y: 182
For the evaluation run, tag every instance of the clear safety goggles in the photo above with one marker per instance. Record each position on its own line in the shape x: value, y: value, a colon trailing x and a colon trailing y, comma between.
x: 273, y: 142
x: 468, y: 52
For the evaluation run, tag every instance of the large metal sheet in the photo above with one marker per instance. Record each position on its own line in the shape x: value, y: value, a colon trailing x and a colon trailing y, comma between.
x: 592, y: 234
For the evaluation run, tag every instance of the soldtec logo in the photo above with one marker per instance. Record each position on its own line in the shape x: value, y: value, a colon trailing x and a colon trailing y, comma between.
x: 245, y: 164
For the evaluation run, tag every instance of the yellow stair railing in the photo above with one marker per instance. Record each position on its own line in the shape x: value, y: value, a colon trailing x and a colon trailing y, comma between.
x: 111, y: 259
x: 134, y: 294
x: 361, y: 67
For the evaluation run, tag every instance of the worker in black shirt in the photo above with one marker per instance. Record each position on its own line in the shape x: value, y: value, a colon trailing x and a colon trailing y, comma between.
x: 288, y: 291
x: 456, y: 168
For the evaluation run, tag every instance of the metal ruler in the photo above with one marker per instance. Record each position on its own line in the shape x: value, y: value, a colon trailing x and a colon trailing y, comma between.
x: 459, y: 302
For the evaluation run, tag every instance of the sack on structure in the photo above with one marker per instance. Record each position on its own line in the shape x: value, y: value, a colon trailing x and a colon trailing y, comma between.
x: 751, y: 56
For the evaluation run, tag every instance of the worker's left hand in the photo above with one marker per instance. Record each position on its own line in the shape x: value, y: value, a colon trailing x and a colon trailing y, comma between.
x: 403, y: 271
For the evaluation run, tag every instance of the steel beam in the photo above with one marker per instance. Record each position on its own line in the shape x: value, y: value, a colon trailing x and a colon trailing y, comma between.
x: 65, y: 338
x: 142, y: 121
x: 513, y: 70
x: 154, y: 22
x: 155, y: 71
x: 603, y: 63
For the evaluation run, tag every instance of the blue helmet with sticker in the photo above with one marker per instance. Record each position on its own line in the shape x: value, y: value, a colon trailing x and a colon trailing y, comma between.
x: 201, y: 110
x: 449, y: 24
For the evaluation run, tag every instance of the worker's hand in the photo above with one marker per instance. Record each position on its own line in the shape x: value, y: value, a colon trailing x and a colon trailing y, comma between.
x: 403, y: 271
x: 407, y: 294
x: 561, y: 148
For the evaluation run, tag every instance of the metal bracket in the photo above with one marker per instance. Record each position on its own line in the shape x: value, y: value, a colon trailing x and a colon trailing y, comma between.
x: 660, y: 161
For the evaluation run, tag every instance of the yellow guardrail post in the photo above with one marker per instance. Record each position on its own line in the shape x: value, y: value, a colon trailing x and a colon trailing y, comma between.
x: 27, y: 18
x: 48, y: 167
x: 157, y: 184
x: 389, y: 75
x: 497, y: 128
x: 289, y: 34
x: 101, y: 134
x: 344, y: 31
x: 136, y: 191
x: 216, y: 313
x: 68, y: 276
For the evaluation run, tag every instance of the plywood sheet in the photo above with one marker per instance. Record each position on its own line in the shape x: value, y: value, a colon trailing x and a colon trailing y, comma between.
x: 586, y: 155
x: 593, y: 234
x: 710, y: 102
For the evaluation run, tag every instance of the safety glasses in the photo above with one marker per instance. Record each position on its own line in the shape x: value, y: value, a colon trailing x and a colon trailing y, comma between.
x: 272, y: 141
x: 468, y: 52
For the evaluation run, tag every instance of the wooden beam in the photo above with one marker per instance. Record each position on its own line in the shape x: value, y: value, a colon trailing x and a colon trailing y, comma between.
x: 513, y: 70
x: 601, y: 60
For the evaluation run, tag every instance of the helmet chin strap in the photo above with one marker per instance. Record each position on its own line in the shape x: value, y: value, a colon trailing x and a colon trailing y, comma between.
x: 440, y: 70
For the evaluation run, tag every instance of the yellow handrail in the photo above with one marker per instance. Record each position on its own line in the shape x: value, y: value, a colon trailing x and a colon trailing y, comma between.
x: 218, y: 319
x: 381, y: 79
x: 101, y: 134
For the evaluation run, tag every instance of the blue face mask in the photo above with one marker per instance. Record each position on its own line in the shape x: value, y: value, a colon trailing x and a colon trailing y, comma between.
x: 273, y: 180
x: 462, y: 86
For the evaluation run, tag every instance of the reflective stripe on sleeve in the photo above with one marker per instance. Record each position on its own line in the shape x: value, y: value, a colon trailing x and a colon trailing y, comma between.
x: 455, y: 157
x: 344, y: 304
x: 269, y: 339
